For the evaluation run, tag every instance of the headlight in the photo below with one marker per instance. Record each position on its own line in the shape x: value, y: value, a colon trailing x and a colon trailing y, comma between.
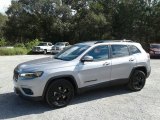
x: 30, y: 75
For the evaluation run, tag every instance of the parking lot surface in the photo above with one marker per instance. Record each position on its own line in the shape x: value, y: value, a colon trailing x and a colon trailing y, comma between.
x: 114, y: 103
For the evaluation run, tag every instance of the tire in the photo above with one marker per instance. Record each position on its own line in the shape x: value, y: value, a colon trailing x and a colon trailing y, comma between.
x: 137, y: 80
x: 59, y: 93
x: 45, y: 52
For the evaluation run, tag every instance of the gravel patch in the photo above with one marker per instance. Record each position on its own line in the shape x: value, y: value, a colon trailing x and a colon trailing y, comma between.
x: 115, y: 103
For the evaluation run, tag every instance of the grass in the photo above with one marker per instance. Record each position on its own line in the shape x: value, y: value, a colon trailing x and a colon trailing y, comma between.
x: 13, y: 51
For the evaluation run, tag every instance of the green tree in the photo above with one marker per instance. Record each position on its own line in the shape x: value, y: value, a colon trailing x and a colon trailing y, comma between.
x: 3, y: 19
x: 54, y: 20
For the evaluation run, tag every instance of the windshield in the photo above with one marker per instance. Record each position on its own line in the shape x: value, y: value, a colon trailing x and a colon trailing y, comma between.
x: 155, y: 46
x: 60, y: 44
x: 72, y: 52
x: 42, y: 44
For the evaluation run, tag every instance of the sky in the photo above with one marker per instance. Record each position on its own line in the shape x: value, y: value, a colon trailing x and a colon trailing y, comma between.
x: 4, y: 4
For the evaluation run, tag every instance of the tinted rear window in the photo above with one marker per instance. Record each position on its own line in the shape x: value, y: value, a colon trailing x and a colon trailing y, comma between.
x: 134, y: 50
x: 119, y: 51
x: 155, y: 46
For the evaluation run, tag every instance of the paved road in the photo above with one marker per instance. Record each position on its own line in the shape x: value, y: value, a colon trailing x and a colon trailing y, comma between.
x: 106, y: 104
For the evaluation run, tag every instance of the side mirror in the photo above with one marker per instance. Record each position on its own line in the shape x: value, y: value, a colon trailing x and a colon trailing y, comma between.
x: 87, y: 59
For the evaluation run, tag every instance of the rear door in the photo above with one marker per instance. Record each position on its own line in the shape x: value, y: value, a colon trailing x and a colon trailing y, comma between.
x: 122, y: 62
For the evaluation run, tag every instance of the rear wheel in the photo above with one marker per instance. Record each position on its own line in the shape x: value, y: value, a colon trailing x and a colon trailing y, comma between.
x: 60, y: 93
x: 137, y: 80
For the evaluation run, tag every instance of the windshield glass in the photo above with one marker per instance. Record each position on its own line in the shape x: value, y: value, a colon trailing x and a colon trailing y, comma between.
x: 155, y: 46
x: 72, y: 52
x: 42, y: 44
x: 60, y: 43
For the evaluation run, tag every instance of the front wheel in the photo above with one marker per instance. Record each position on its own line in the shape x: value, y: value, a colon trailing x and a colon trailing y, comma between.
x: 137, y: 80
x: 45, y: 52
x: 59, y: 93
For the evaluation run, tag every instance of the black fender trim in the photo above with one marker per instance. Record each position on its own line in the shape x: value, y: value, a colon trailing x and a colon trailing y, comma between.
x: 139, y: 68
x: 68, y: 77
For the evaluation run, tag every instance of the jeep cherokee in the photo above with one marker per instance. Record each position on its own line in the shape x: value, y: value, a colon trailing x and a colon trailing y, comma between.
x: 83, y: 66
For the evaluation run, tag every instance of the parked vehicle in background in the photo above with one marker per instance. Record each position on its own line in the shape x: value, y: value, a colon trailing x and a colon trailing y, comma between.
x: 59, y: 46
x: 43, y: 47
x: 83, y: 66
x: 154, y: 50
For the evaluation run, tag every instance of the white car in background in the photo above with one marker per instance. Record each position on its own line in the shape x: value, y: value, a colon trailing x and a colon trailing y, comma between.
x: 59, y: 46
x: 43, y: 47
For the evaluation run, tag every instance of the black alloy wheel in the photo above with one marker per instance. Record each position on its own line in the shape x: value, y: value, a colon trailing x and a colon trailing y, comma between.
x: 60, y: 93
x: 137, y: 80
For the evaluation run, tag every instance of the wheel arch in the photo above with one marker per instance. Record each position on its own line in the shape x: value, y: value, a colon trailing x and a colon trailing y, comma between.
x: 70, y: 78
x: 142, y: 68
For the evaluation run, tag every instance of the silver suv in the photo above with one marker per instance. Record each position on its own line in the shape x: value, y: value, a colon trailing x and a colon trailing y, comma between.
x: 81, y: 67
x: 59, y: 46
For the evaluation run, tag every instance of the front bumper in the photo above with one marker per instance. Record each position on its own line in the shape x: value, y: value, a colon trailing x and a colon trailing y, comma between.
x: 154, y: 55
x: 29, y: 88
x: 19, y: 93
x: 38, y: 51
x: 55, y: 51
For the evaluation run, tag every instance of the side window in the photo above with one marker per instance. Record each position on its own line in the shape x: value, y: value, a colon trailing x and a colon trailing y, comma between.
x: 50, y: 44
x: 119, y: 51
x: 67, y: 44
x: 134, y: 50
x: 99, y: 53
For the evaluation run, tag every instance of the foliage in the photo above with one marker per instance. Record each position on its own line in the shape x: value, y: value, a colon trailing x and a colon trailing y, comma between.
x: 2, y: 42
x: 31, y: 44
x: 3, y: 19
x: 13, y: 51
x: 21, y: 45
x: 79, y: 20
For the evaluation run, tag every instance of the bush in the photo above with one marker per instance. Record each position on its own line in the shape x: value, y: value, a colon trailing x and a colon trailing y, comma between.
x: 13, y: 51
x: 3, y: 42
x: 31, y: 44
x: 19, y: 45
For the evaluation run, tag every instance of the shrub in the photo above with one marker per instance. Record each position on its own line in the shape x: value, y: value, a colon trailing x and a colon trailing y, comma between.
x: 3, y: 42
x: 13, y: 51
x: 32, y: 43
x: 19, y: 45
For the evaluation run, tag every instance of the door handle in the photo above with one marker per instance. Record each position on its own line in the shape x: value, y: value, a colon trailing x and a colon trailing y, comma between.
x: 131, y: 59
x: 106, y: 63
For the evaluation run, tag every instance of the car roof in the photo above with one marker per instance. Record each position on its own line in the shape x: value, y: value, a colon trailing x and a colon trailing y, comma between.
x: 90, y: 43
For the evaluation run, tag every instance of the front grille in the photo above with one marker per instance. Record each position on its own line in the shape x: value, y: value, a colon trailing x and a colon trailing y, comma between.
x: 36, y: 48
x: 15, y: 76
x: 53, y: 48
x: 57, y: 48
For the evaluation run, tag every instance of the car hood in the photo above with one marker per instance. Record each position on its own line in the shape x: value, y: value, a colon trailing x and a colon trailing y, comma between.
x: 42, y: 64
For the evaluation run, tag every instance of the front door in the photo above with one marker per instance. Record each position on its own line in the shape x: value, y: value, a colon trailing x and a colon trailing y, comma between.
x: 98, y: 70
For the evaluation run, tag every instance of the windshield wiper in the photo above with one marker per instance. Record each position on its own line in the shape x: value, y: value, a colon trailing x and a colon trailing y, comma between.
x: 58, y: 58
x: 61, y: 59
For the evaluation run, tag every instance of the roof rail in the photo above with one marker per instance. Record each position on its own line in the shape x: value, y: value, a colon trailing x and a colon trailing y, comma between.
x: 104, y: 41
